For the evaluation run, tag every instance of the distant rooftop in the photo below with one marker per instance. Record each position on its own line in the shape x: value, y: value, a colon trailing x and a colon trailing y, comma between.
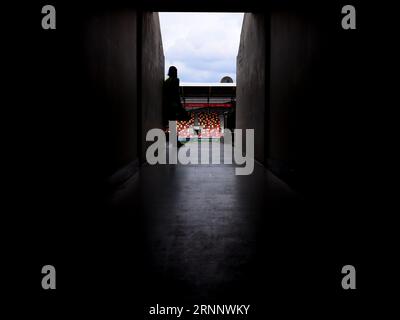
x: 207, y: 84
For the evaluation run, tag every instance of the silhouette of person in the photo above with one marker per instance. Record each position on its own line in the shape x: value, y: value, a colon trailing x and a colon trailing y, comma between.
x: 172, y: 105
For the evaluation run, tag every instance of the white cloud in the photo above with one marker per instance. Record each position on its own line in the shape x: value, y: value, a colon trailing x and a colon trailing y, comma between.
x: 203, y: 46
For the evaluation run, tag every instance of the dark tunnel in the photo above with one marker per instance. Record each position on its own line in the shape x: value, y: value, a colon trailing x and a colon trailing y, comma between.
x: 130, y: 234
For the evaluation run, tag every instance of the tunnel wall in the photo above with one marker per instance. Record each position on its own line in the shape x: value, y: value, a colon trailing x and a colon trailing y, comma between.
x: 111, y: 50
x: 125, y: 72
x: 294, y: 91
x: 316, y: 138
x: 251, y: 80
x: 278, y: 63
x: 152, y: 75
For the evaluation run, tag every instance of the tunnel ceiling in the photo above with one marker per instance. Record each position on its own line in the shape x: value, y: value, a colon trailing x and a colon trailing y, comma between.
x: 197, y: 6
x: 183, y: 5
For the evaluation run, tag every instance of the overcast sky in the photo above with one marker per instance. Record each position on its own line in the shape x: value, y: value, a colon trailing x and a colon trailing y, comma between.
x: 203, y: 46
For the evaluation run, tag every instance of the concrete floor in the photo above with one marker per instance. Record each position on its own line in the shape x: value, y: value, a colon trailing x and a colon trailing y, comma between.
x: 206, y: 229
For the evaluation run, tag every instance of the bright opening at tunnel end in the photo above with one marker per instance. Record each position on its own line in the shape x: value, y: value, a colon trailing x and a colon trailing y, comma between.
x: 188, y: 154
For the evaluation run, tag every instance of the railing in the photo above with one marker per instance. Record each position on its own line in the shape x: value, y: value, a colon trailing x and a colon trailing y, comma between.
x: 190, y: 105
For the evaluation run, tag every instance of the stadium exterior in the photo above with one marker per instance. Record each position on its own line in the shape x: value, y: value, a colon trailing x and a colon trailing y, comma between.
x: 212, y: 107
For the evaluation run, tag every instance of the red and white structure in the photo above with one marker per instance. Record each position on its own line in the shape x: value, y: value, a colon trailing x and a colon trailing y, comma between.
x: 210, y: 106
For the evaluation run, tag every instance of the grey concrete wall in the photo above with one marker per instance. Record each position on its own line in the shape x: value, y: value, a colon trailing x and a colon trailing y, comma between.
x: 152, y: 75
x: 318, y: 86
x: 295, y: 53
x: 251, y: 77
x: 276, y: 92
x: 125, y: 68
x: 111, y: 51
x: 285, y: 88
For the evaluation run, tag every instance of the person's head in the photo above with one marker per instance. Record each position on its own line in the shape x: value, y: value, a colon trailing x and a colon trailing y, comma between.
x: 173, y: 72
